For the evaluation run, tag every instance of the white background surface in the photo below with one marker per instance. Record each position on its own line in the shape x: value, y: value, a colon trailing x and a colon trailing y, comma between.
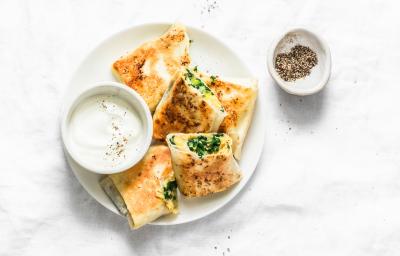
x: 329, y: 179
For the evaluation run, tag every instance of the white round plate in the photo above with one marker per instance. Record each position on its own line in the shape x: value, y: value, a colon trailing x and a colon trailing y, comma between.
x: 210, y: 55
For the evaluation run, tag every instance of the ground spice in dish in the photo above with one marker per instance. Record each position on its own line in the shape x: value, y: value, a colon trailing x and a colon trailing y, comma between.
x: 295, y: 64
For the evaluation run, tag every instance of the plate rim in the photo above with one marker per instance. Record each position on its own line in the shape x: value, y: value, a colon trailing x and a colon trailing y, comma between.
x: 259, y: 105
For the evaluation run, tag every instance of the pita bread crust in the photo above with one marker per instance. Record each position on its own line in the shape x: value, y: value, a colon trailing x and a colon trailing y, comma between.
x: 139, y: 186
x: 172, y: 48
x: 183, y: 109
x: 200, y: 177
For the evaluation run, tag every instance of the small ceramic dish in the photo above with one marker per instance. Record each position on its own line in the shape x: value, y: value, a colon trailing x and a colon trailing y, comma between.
x: 135, y: 103
x: 320, y: 73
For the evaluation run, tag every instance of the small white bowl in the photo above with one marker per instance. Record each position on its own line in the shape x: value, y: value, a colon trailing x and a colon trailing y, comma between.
x: 319, y: 75
x: 136, y: 102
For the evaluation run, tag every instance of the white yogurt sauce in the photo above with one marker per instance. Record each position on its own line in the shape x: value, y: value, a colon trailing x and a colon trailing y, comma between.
x: 104, y: 130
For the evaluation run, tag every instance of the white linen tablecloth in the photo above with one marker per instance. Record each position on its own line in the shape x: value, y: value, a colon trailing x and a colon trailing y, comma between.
x: 328, y: 182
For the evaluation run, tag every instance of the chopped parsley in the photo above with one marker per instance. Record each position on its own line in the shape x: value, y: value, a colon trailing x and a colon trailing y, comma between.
x: 198, y: 83
x: 172, y: 140
x: 191, y: 41
x: 213, y: 79
x: 202, y: 145
x: 170, y: 190
x: 195, y: 69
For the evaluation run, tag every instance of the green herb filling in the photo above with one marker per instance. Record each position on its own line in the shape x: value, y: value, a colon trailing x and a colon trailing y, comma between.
x: 170, y: 190
x: 213, y: 79
x: 172, y: 140
x: 198, y: 84
x: 202, y: 145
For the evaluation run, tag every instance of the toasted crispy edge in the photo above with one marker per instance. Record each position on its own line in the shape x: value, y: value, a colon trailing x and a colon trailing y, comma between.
x: 248, y: 119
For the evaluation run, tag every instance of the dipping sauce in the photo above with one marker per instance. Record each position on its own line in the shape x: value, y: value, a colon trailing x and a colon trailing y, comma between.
x: 104, y: 130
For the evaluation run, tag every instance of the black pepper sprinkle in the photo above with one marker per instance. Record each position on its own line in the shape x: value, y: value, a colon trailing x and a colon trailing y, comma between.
x: 210, y: 5
x: 295, y: 64
x: 116, y: 148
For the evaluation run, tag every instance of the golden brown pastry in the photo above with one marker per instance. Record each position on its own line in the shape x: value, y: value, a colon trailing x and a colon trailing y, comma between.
x: 146, y: 191
x: 203, y: 163
x: 238, y: 97
x: 189, y: 106
x: 150, y: 68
